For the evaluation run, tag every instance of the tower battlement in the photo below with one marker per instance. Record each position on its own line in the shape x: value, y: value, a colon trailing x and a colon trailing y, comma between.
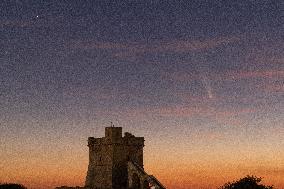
x: 113, y: 135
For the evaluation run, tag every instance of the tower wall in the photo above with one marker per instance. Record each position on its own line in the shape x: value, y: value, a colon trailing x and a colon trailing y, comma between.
x: 99, y: 173
x: 108, y: 158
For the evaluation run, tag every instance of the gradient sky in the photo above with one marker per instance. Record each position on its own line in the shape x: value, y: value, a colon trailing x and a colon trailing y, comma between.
x: 202, y: 81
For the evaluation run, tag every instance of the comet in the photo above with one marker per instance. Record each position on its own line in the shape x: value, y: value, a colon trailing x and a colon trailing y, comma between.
x: 207, y: 85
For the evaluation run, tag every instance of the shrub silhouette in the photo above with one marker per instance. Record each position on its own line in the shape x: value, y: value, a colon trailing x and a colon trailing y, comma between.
x: 248, y: 182
x: 12, y: 186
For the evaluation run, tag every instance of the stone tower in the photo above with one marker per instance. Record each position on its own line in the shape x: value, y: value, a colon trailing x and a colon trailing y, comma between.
x: 109, y: 159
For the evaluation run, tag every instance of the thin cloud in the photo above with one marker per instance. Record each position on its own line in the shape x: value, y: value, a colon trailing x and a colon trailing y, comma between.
x: 226, y: 116
x: 128, y: 50
x: 210, y: 135
x: 229, y: 75
x: 253, y: 74
x: 15, y: 23
x: 180, y: 76
x: 188, y: 46
x: 202, y: 111
x: 274, y: 87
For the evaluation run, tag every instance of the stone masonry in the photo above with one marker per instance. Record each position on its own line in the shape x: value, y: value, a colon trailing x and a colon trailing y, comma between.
x: 108, y: 157
x: 116, y: 162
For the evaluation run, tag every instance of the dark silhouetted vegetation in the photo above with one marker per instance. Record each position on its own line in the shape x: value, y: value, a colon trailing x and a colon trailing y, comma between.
x: 12, y: 186
x: 248, y: 182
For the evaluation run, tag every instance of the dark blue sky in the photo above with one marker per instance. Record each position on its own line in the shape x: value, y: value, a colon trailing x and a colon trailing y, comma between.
x: 135, y: 54
x: 139, y: 20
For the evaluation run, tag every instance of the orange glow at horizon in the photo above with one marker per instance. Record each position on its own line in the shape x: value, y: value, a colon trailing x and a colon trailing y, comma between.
x: 178, y: 171
x: 171, y: 176
x: 180, y: 159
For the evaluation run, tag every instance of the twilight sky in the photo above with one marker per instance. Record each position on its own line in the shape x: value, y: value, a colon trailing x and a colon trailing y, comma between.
x: 202, y: 81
